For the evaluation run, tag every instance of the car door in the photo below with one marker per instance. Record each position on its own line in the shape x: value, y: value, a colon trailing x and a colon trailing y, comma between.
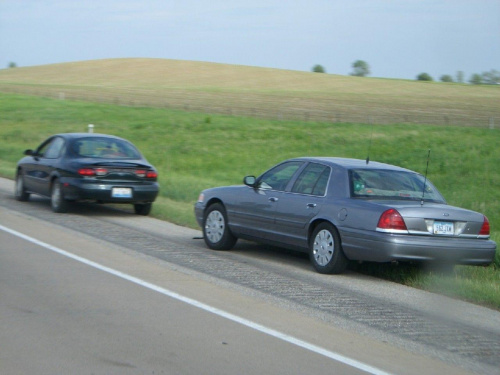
x: 253, y: 211
x: 298, y: 206
x: 45, y: 158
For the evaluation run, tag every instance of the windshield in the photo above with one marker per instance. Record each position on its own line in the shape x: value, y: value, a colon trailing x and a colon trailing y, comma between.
x: 389, y: 184
x: 108, y: 148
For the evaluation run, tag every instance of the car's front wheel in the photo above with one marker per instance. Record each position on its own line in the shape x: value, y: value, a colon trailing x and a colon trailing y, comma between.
x: 216, y: 232
x: 57, y: 201
x: 20, y: 189
x: 143, y: 208
x: 325, y: 251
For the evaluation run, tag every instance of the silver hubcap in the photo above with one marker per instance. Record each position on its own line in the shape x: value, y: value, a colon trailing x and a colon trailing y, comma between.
x: 214, y: 226
x: 324, y: 246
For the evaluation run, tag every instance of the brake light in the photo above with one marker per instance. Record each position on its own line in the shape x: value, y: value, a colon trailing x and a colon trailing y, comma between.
x: 485, y: 229
x: 86, y: 172
x: 391, y: 221
x: 148, y: 174
x: 92, y: 172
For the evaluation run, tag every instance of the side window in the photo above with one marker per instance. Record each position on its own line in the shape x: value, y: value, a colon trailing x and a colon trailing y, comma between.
x: 52, y: 149
x: 321, y: 184
x: 313, y: 180
x: 278, y: 177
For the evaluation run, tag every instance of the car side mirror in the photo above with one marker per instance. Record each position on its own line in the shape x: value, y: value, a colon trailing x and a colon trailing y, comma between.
x: 250, y: 181
x: 29, y: 152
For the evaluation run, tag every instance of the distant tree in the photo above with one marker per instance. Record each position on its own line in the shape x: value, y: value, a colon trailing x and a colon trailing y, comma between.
x: 476, y: 79
x: 446, y: 78
x: 12, y: 65
x: 318, y: 69
x: 360, y: 68
x: 424, y: 77
x: 460, y: 76
x: 492, y: 77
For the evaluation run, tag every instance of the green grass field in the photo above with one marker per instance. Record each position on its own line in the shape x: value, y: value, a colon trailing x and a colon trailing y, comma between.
x: 196, y: 150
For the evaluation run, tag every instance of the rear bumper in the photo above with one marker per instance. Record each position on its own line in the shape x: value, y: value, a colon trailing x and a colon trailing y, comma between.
x: 383, y: 247
x: 81, y: 190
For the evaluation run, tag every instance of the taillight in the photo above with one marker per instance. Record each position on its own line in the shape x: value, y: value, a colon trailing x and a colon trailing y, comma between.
x: 147, y: 174
x: 151, y: 174
x: 391, y: 221
x: 86, y: 172
x: 485, y: 229
x: 92, y: 172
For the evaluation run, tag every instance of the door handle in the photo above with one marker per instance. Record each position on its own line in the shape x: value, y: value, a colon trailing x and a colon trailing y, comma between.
x: 273, y: 199
x: 311, y: 205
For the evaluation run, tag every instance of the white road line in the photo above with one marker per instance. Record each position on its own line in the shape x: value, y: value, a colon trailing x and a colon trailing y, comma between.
x: 258, y: 327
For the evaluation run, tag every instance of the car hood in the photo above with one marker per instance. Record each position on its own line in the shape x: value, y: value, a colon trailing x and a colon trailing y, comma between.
x: 222, y: 189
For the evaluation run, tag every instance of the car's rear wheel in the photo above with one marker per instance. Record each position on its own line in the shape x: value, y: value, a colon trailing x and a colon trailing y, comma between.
x: 325, y: 251
x: 216, y: 232
x: 20, y: 189
x: 143, y: 208
x: 57, y: 201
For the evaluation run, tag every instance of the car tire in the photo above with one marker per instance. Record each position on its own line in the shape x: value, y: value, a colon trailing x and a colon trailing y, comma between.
x: 216, y: 232
x: 57, y: 201
x: 325, y: 250
x: 20, y: 190
x: 143, y: 209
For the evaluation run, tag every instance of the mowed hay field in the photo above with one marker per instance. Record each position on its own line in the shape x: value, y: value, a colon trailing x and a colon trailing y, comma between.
x: 259, y: 92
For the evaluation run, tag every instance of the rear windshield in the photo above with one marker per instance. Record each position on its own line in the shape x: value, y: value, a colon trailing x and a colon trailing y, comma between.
x: 108, y: 148
x: 388, y: 184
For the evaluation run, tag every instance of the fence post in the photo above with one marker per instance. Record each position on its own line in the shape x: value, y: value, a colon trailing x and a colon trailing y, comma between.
x: 492, y: 123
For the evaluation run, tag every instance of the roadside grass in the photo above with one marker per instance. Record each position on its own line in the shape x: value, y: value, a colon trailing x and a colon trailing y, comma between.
x: 193, y: 151
x: 479, y: 285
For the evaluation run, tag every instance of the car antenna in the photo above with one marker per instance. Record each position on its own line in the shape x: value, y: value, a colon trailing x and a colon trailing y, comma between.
x: 425, y: 179
x: 370, y: 143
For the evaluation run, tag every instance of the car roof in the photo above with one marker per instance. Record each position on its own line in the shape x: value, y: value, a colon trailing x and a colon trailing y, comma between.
x: 85, y: 135
x: 347, y: 163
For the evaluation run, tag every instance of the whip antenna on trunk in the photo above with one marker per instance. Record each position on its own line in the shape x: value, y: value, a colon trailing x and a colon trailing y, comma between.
x: 425, y: 179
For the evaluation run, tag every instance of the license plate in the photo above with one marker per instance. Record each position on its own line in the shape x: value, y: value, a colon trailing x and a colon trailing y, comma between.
x: 121, y: 192
x: 443, y: 227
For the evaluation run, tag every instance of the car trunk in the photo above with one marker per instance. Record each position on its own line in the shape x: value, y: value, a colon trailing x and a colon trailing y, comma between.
x: 440, y: 220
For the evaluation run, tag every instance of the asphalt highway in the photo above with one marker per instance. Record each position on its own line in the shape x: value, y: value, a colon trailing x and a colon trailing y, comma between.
x: 102, y: 291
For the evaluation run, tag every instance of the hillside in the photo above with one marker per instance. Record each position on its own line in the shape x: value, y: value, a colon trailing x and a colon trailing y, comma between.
x: 259, y: 92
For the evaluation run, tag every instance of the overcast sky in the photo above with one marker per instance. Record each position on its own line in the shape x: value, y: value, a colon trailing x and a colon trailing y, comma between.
x: 397, y: 38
